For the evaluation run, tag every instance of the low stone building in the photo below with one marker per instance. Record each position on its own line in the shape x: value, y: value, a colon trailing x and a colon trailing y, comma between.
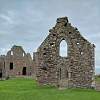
x: 74, y: 70
x: 17, y: 62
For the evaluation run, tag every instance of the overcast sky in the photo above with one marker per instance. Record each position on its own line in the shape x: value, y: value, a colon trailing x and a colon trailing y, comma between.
x: 26, y: 22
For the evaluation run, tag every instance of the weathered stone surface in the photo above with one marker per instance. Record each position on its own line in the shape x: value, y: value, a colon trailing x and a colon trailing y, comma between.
x: 75, y: 70
x: 2, y: 67
x: 17, y: 62
x: 97, y: 87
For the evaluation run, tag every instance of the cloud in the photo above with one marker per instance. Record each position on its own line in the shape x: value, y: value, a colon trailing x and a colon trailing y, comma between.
x: 26, y: 22
x: 6, y: 18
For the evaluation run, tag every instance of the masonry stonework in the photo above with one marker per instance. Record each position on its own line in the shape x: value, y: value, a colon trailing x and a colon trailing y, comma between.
x: 17, y: 62
x: 2, y: 67
x: 75, y: 70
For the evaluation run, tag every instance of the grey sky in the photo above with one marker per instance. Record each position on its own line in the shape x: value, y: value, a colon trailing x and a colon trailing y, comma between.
x: 26, y: 22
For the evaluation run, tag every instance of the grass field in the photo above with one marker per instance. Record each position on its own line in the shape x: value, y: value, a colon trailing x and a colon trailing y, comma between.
x: 27, y: 89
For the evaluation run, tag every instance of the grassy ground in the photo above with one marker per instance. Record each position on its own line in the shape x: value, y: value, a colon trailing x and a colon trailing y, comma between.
x: 27, y: 89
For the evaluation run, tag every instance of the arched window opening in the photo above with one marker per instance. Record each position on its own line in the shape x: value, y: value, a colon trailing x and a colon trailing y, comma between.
x: 11, y: 52
x: 63, y: 49
x: 23, y: 54
x: 11, y: 65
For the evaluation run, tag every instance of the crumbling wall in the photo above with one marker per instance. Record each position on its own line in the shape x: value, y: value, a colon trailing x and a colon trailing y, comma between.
x: 75, y: 70
x: 20, y: 62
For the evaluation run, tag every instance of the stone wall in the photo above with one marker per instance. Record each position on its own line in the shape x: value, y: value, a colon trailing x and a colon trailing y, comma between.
x: 75, y: 70
x: 18, y: 63
x: 2, y: 67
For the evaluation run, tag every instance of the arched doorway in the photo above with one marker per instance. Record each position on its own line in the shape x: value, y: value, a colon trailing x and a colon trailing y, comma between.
x: 24, y: 71
x: 63, y: 77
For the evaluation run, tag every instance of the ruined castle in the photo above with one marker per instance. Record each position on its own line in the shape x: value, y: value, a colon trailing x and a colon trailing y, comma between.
x: 74, y: 70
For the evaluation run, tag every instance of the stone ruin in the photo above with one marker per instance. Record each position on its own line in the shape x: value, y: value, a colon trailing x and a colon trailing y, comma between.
x: 16, y: 63
x: 74, y: 70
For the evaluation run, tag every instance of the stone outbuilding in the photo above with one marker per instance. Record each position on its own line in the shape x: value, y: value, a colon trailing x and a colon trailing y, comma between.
x: 74, y: 70
x: 17, y: 62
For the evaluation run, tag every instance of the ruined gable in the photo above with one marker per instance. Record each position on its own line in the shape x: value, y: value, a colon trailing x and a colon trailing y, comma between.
x: 75, y: 70
x: 17, y: 51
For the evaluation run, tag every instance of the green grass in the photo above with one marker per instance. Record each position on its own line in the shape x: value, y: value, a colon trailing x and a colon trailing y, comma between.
x: 27, y: 89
